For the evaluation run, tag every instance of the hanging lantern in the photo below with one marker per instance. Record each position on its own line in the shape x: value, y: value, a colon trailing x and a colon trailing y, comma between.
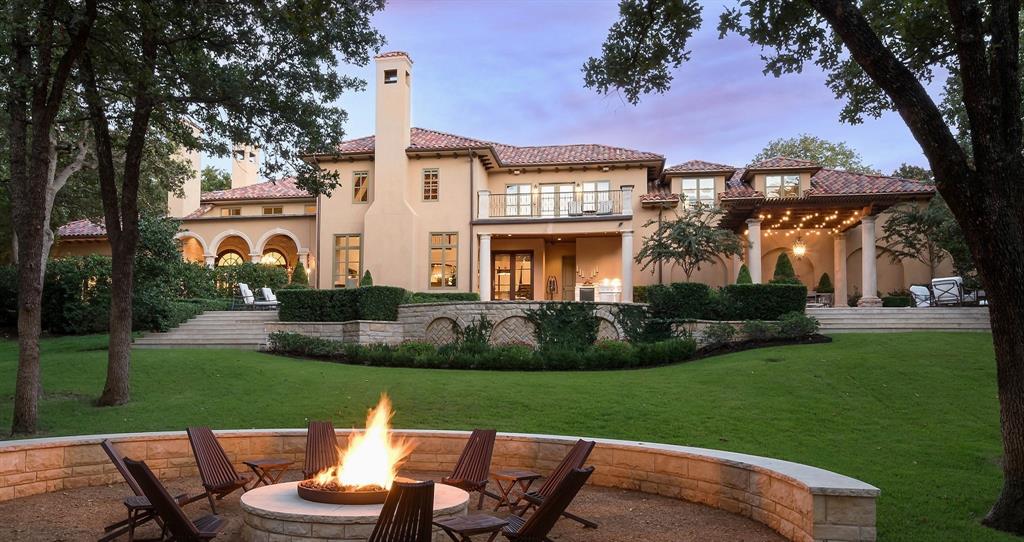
x: 799, y: 248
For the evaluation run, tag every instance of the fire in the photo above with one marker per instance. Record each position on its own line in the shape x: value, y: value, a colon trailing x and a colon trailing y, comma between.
x: 373, y: 456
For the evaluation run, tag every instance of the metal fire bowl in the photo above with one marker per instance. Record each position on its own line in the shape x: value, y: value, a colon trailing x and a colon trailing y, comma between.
x: 344, y: 497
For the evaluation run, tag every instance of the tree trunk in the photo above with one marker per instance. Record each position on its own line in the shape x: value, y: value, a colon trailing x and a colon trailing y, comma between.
x: 116, y: 391
x: 30, y: 296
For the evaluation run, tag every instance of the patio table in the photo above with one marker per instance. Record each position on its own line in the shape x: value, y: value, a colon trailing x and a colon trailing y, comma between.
x: 467, y: 526
x: 268, y: 470
x: 512, y: 478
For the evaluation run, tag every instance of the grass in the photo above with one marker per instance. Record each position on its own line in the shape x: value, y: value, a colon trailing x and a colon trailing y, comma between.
x: 914, y: 414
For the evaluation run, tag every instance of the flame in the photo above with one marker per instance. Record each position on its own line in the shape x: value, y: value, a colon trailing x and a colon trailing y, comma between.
x: 373, y: 456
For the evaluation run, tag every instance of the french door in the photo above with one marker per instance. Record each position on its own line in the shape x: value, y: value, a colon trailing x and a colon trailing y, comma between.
x: 513, y: 276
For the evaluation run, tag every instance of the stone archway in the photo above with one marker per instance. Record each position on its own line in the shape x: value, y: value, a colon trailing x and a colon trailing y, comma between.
x: 193, y: 246
x: 514, y: 330
x: 441, y: 331
x: 607, y: 331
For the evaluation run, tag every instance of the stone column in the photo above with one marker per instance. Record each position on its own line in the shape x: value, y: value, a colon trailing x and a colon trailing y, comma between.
x: 839, y: 277
x: 483, y: 204
x: 211, y: 260
x: 869, y: 276
x: 754, y: 251
x: 627, y: 266
x: 627, y: 200
x: 485, y: 267
x: 255, y: 257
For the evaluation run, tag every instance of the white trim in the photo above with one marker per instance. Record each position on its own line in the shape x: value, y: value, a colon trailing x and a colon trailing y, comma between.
x: 225, y: 234
x: 193, y: 235
x: 261, y: 244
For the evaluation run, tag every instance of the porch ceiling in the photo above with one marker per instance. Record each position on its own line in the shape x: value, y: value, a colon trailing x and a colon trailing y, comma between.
x: 832, y: 214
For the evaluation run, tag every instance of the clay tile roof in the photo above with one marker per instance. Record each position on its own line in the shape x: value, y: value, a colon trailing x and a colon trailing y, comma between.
x: 421, y: 139
x: 698, y: 166
x: 83, y: 228
x: 281, y: 189
x: 783, y: 162
x: 652, y: 197
x: 391, y: 54
x: 834, y: 181
x: 202, y: 210
x: 736, y: 187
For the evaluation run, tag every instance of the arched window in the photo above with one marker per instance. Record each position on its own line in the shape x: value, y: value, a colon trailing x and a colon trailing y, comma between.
x: 275, y: 258
x: 229, y: 257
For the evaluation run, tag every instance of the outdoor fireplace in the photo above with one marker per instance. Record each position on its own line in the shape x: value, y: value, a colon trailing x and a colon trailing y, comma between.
x: 366, y: 468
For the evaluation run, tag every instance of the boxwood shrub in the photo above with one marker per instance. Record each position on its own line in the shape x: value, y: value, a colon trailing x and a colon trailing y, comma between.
x: 679, y: 300
x: 340, y: 305
x: 439, y: 297
x: 763, y: 301
x: 599, y: 356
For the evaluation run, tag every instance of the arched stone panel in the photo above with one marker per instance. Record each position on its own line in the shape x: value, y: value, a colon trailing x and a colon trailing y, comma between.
x: 514, y: 330
x: 441, y: 331
x: 607, y: 331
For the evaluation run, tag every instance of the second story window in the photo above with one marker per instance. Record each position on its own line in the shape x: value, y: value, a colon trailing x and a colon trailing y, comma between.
x: 231, y: 211
x: 597, y: 197
x: 518, y: 200
x: 273, y: 210
x: 431, y: 185
x: 360, y: 186
x: 782, y: 186
x: 699, y: 191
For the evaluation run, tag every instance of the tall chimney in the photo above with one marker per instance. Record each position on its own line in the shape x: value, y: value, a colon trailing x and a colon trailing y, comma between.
x: 180, y: 206
x: 245, y: 165
x: 390, y: 226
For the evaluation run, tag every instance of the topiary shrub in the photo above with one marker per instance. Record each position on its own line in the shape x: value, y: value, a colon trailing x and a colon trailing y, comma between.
x: 763, y: 301
x: 797, y: 325
x: 759, y: 330
x: 564, y: 325
x: 719, y: 334
x: 367, y: 279
x: 784, y: 273
x: 299, y: 276
x: 825, y: 285
x: 744, y: 276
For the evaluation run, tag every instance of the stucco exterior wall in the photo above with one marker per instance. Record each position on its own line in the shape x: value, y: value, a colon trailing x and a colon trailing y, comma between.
x: 256, y: 234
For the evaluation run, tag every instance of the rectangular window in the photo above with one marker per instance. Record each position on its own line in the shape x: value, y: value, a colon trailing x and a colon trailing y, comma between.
x: 597, y: 197
x: 431, y: 185
x: 444, y: 260
x: 310, y: 208
x: 390, y: 77
x: 231, y: 211
x: 782, y: 186
x: 518, y: 200
x: 360, y: 186
x: 347, y: 260
x: 700, y: 190
x: 555, y: 199
x: 273, y: 210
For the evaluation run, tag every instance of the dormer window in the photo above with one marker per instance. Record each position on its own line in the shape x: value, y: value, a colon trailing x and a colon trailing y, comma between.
x: 700, y: 191
x: 782, y: 186
x: 390, y: 76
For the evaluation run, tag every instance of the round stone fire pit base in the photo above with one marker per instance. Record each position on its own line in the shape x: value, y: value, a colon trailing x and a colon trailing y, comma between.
x: 278, y: 513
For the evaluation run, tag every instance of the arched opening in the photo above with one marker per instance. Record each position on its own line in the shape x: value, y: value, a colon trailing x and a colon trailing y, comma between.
x: 274, y: 258
x: 232, y: 250
x: 803, y: 267
x: 192, y: 250
x: 281, y: 251
x: 228, y: 258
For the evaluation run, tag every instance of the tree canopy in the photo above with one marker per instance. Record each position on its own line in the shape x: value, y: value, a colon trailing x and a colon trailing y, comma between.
x: 813, y: 148
x: 212, y: 178
x: 689, y: 240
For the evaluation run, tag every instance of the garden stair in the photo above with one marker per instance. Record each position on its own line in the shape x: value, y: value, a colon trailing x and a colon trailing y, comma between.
x: 215, y: 329
x: 900, y: 319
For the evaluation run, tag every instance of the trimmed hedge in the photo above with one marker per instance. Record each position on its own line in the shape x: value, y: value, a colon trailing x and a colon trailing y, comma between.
x: 413, y: 298
x: 763, y: 301
x: 679, y: 300
x: 599, y: 356
x: 340, y: 305
x: 897, y: 301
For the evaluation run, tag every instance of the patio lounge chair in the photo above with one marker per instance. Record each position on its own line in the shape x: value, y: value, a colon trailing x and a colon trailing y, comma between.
x: 949, y: 291
x: 572, y: 461
x: 537, y: 527
x: 247, y: 300
x: 922, y: 295
x: 474, y: 465
x: 321, y: 448
x: 175, y: 522
x: 406, y: 514
x: 140, y: 510
x: 219, y: 476
x: 268, y: 295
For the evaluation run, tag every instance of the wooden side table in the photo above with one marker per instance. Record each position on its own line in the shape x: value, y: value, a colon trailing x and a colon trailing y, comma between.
x: 461, y: 528
x: 268, y: 470
x: 512, y: 478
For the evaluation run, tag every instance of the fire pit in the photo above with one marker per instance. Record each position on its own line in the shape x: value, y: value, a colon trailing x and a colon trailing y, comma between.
x: 367, y: 467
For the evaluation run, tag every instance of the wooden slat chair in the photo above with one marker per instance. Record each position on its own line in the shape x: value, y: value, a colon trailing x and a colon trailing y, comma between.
x: 140, y: 510
x: 176, y: 523
x: 406, y: 514
x: 473, y: 468
x: 573, y: 460
x: 219, y: 476
x: 537, y: 527
x: 321, y: 448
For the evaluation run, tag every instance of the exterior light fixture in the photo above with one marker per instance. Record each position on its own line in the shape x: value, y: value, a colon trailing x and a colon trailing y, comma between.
x: 516, y: 172
x: 799, y: 248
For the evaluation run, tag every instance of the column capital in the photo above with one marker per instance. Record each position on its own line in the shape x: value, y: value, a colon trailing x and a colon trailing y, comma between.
x: 485, y: 236
x: 625, y: 233
x: 754, y: 221
x: 868, y: 219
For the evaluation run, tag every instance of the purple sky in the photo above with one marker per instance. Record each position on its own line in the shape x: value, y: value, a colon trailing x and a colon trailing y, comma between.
x: 509, y: 71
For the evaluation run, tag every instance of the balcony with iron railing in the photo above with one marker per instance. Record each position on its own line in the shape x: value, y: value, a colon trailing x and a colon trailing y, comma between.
x: 575, y: 205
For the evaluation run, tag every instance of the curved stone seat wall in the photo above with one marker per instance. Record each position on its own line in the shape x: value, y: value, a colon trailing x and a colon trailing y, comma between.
x: 802, y: 503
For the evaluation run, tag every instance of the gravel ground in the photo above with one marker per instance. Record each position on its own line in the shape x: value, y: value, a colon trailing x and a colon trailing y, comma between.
x: 80, y: 514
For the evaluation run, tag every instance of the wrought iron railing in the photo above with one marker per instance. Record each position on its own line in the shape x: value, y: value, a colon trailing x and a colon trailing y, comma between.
x: 555, y: 204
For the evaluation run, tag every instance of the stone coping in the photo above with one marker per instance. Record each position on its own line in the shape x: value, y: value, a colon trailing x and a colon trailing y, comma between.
x: 801, y: 502
x: 818, y: 481
x: 508, y: 303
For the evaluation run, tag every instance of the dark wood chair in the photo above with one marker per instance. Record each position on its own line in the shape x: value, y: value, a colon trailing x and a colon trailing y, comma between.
x: 406, y: 514
x: 321, y: 448
x: 537, y: 527
x: 176, y: 524
x: 140, y: 510
x: 219, y: 476
x: 572, y: 461
x: 474, y: 465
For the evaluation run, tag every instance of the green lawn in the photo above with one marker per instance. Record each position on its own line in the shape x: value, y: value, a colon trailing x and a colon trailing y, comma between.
x: 914, y: 414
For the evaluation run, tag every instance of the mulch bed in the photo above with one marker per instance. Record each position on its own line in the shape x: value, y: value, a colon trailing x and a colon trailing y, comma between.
x: 80, y: 514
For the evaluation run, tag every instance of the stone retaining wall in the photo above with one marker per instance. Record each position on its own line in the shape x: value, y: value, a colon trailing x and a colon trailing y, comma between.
x: 354, y: 331
x: 802, y: 503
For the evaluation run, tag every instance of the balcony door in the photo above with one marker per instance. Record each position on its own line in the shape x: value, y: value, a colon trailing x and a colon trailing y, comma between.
x: 597, y: 196
x: 555, y: 199
x: 513, y: 276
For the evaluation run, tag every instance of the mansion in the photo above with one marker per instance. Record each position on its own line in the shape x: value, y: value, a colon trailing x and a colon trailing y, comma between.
x: 431, y: 211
